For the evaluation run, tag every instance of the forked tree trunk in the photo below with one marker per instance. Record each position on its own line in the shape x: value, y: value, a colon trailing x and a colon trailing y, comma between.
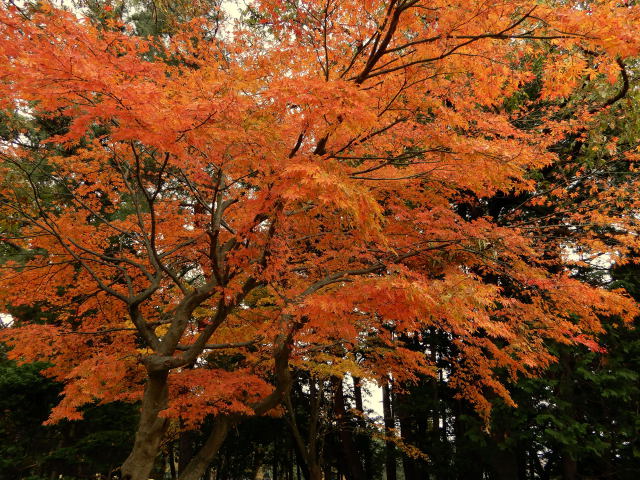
x: 151, y: 429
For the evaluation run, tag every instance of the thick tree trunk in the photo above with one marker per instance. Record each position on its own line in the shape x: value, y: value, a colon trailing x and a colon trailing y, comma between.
x: 315, y: 472
x: 199, y: 463
x: 151, y: 429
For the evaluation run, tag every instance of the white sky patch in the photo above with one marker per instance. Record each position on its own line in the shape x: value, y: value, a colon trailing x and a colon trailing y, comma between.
x: 6, y: 320
x: 233, y: 8
x: 372, y: 400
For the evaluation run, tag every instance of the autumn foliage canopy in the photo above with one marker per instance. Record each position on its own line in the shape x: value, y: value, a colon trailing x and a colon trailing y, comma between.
x: 212, y: 208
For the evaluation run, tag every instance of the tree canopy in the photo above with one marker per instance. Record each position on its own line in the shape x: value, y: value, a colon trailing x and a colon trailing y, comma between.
x: 195, y: 212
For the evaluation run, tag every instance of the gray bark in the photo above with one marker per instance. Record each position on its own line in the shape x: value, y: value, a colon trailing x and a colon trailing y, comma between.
x: 151, y: 429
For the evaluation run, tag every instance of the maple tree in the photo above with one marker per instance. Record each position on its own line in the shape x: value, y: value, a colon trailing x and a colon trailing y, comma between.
x: 216, y: 206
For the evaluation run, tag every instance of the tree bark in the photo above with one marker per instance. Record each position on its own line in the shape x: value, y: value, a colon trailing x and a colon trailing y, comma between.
x: 389, y: 423
x: 349, y: 451
x: 275, y: 458
x: 172, y: 462
x: 504, y: 463
x: 201, y: 460
x: 569, y: 468
x: 315, y: 471
x: 151, y: 429
x: 407, y: 433
x: 185, y: 450
x: 566, y: 392
x: 364, y: 441
x: 306, y: 451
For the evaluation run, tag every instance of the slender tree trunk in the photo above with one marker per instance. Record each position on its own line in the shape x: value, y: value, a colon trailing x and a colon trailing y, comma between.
x: 389, y: 423
x: 470, y: 462
x: 311, y: 466
x: 505, y: 464
x: 566, y: 392
x: 363, y: 439
x: 185, y: 450
x: 569, y: 468
x: 291, y: 461
x: 201, y: 460
x: 504, y: 458
x: 172, y: 462
x: 258, y: 458
x: 352, y: 464
x: 276, y: 452
x: 328, y: 474
x: 407, y: 433
x: 523, y: 461
x: 302, y: 460
x: 308, y: 452
x: 220, y: 468
x: 442, y: 407
x: 151, y: 429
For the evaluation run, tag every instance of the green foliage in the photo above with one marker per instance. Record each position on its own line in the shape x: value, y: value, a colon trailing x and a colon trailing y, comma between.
x: 76, y: 450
